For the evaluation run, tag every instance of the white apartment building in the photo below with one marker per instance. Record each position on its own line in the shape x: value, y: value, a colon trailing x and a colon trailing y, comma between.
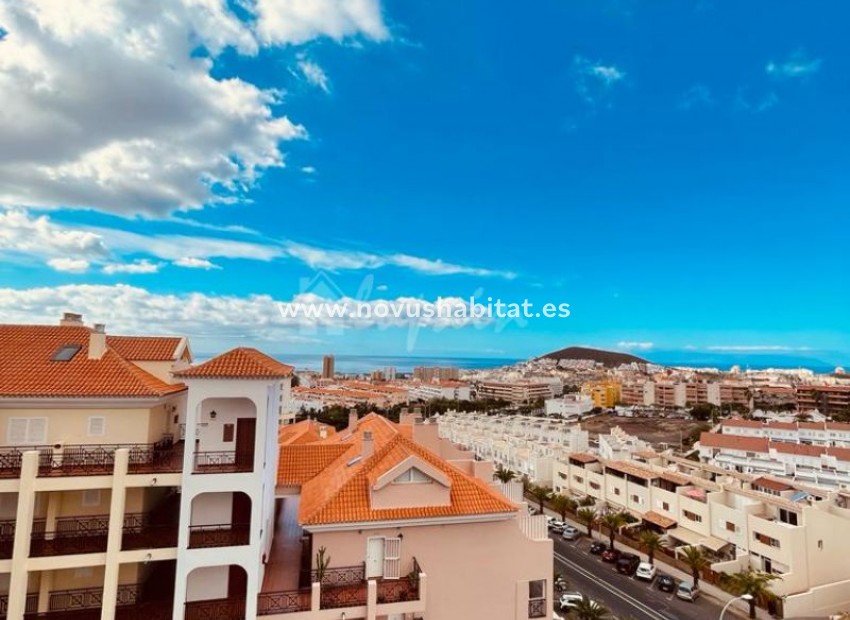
x: 569, y: 406
x: 618, y: 444
x: 451, y: 390
x: 740, y: 521
x: 812, y: 433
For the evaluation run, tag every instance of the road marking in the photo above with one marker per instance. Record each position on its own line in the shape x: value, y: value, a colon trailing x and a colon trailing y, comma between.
x: 613, y: 590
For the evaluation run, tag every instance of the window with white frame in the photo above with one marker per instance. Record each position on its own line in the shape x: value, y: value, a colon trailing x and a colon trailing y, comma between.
x: 96, y: 426
x: 412, y: 475
x: 26, y: 431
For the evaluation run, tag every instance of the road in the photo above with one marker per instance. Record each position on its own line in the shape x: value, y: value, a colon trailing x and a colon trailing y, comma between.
x: 625, y: 597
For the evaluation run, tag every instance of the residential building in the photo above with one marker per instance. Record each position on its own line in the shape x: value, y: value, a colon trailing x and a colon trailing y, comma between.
x: 427, y: 374
x: 515, y: 391
x: 328, y: 367
x: 604, y: 394
x: 702, y: 392
x: 827, y: 399
x: 814, y: 433
x: 569, y: 406
x: 450, y: 390
x: 638, y: 394
x: 404, y: 520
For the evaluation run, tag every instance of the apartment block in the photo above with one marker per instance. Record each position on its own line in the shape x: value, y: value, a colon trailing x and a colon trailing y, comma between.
x: 451, y: 390
x: 428, y: 374
x: 604, y: 394
x: 827, y: 399
x: 812, y: 433
x: 516, y: 392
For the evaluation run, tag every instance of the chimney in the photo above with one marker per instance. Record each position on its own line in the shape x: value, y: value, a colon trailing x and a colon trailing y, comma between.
x: 323, y: 432
x: 368, y: 446
x: 69, y: 319
x: 352, y: 420
x: 97, y: 341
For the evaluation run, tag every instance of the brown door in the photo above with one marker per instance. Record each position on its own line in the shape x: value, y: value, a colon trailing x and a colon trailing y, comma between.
x: 246, y: 430
x: 237, y: 583
x: 241, y: 511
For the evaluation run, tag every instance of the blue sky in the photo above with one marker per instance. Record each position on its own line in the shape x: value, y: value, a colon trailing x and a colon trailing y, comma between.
x: 675, y: 171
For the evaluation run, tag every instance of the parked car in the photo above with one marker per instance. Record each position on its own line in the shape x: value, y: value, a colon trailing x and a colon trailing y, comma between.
x: 570, y: 533
x: 569, y: 600
x: 645, y: 571
x: 610, y: 555
x: 627, y: 563
x: 549, y: 520
x: 666, y: 583
x: 687, y: 591
x: 557, y: 526
x: 597, y: 547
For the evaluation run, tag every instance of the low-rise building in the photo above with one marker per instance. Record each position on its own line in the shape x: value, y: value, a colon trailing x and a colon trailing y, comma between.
x: 449, y: 390
x: 569, y: 406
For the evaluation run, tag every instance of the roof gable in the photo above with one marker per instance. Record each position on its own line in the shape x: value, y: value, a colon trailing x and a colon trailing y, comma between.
x: 241, y: 363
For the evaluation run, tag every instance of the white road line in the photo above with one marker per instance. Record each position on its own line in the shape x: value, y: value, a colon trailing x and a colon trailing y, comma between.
x: 614, y: 590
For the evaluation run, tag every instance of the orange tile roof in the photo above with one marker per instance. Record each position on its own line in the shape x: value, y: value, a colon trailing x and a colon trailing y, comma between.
x: 27, y: 370
x: 741, y: 423
x: 306, y: 431
x: 583, y: 457
x: 774, y: 485
x: 241, y: 363
x: 659, y: 519
x: 631, y: 470
x: 145, y: 348
x: 299, y: 463
x: 341, y: 493
x: 674, y: 477
x: 733, y: 442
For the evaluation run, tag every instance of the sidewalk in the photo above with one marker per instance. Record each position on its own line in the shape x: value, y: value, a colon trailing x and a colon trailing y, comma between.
x: 739, y: 609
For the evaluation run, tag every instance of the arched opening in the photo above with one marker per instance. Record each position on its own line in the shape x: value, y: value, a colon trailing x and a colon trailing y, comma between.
x: 216, y: 592
x: 220, y: 520
x: 226, y: 435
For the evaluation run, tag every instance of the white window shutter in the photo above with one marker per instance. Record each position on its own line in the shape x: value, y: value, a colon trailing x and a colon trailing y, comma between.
x: 17, y: 431
x: 37, y: 431
x: 392, y: 558
x: 97, y: 426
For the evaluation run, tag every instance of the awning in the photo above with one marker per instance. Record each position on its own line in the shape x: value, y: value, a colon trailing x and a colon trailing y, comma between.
x: 693, y: 538
x: 659, y: 520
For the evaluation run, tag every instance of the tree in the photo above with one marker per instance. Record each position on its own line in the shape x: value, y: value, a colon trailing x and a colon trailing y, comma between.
x: 652, y: 542
x: 588, y: 517
x: 613, y: 520
x: 561, y: 504
x: 695, y: 560
x: 752, y: 582
x: 587, y: 609
x: 540, y: 494
x: 704, y: 411
x: 503, y: 475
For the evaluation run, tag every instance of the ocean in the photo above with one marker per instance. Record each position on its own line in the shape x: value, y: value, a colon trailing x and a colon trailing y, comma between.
x: 351, y: 364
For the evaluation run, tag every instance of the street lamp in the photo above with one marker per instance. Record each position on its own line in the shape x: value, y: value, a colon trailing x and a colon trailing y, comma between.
x: 743, y: 597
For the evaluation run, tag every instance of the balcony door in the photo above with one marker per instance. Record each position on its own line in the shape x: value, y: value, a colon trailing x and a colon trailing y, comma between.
x: 246, y: 430
x: 375, y: 557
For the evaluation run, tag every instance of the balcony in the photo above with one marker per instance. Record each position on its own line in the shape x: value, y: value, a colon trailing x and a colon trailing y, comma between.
x: 223, y: 462
x: 30, y: 606
x: 222, y: 535
x: 269, y: 603
x: 99, y: 459
x: 85, y: 604
x: 215, y: 609
x: 72, y: 535
x: 140, y: 533
x: 7, y: 539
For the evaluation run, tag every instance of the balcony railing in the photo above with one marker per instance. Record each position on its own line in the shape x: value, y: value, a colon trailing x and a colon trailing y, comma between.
x: 72, y: 535
x: 7, y: 539
x: 343, y: 596
x: 99, y: 459
x: 537, y: 608
x: 222, y: 535
x: 216, y: 609
x: 342, y: 576
x: 283, y: 602
x: 222, y: 462
x: 10, y: 461
x: 139, y: 533
x: 31, y: 604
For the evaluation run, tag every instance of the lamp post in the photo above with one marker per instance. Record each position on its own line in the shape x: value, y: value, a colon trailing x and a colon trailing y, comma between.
x: 743, y: 597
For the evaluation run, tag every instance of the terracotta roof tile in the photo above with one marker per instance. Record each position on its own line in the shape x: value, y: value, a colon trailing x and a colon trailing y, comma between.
x: 341, y: 493
x: 242, y: 363
x: 741, y: 423
x: 145, y: 348
x: 631, y: 470
x: 733, y: 442
x: 28, y: 371
x: 306, y: 431
x: 659, y: 519
x: 583, y: 457
x: 299, y: 463
x: 773, y: 485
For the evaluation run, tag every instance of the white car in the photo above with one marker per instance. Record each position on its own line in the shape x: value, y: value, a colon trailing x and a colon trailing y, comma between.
x: 645, y: 571
x: 570, y: 533
x: 557, y: 526
x: 687, y: 592
x: 569, y: 600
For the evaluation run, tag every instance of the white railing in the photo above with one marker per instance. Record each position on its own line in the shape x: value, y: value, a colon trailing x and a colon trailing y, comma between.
x: 512, y: 490
x: 534, y: 527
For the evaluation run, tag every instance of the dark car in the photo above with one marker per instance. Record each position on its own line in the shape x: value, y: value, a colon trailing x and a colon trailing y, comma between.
x: 665, y: 583
x: 610, y: 555
x: 597, y: 547
x: 627, y: 563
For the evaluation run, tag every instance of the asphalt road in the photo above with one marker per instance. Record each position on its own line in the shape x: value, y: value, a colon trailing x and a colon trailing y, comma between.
x: 626, y: 597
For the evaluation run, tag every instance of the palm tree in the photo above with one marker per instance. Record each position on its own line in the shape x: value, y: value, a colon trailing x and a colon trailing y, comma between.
x: 586, y: 609
x: 613, y: 520
x: 503, y: 475
x: 588, y: 517
x: 752, y: 582
x: 561, y: 504
x: 652, y: 542
x: 695, y: 560
x: 541, y: 494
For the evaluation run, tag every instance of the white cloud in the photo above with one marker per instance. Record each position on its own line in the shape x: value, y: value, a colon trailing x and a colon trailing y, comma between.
x: 314, y: 74
x: 797, y: 65
x: 191, y: 262
x: 334, y: 260
x: 136, y: 267
x: 69, y: 265
x: 24, y: 233
x: 697, y: 96
x: 594, y: 80
x: 756, y: 348
x: 308, y: 169
x: 638, y: 346
x: 756, y: 105
x: 134, y: 309
x: 107, y: 104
